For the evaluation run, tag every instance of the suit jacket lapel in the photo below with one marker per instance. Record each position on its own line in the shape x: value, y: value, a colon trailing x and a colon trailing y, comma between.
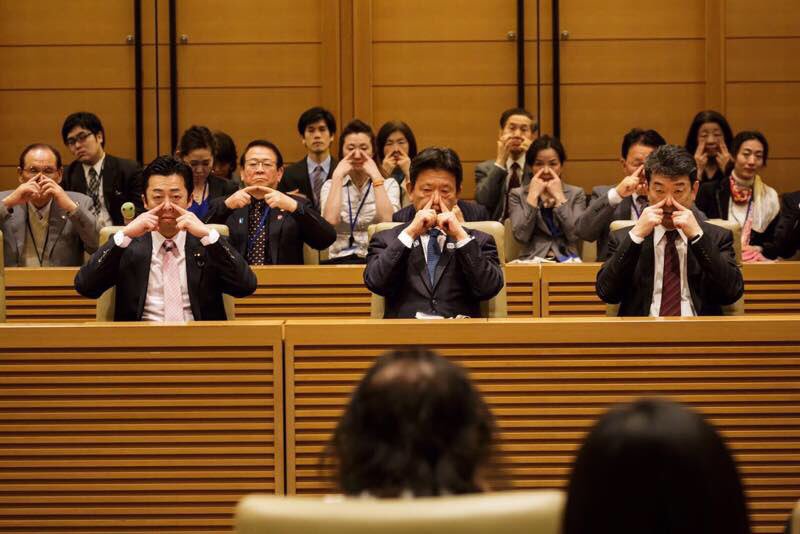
x: 276, y: 217
x: 55, y: 225
x: 647, y: 261
x: 417, y: 259
x: 447, y: 255
x: 624, y: 209
x: 143, y: 252
x: 19, y: 229
x: 109, y: 171
x: 195, y: 262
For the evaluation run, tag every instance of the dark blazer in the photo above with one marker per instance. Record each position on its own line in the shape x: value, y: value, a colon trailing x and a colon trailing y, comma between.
x: 714, y: 279
x: 786, y: 239
x: 295, y: 176
x: 287, y: 231
x: 464, y: 276
x: 122, y: 182
x: 472, y: 212
x: 68, y: 237
x: 594, y: 224
x: 491, y: 187
x: 713, y: 199
x: 210, y: 272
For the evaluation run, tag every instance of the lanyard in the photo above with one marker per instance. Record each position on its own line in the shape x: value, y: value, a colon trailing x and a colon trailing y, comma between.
x: 40, y: 257
x: 259, y: 229
x: 202, y: 198
x: 636, y: 209
x: 746, y: 215
x: 358, y: 212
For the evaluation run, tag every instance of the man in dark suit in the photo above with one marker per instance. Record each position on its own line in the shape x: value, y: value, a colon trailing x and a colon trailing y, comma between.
x: 107, y: 180
x: 786, y: 240
x: 166, y: 264
x: 495, y: 178
x: 433, y: 265
x: 670, y: 264
x: 625, y: 201
x: 316, y: 127
x: 269, y: 227
x: 43, y: 225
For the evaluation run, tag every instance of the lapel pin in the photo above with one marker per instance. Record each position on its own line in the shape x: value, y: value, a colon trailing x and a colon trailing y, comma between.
x: 241, y: 220
x: 416, y: 244
x: 451, y: 246
x: 279, y: 217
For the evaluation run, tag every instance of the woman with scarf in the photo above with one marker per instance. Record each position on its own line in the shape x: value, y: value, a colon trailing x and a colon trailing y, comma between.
x: 744, y: 198
x: 543, y: 212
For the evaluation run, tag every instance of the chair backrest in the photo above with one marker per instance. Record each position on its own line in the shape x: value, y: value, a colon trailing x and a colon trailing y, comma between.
x: 2, y: 282
x: 310, y: 255
x: 519, y: 512
x: 794, y: 521
x: 737, y: 308
x: 104, y: 309
x: 497, y: 306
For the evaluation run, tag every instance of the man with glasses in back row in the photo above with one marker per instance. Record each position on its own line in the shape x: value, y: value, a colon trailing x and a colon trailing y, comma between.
x: 43, y: 225
x: 107, y: 180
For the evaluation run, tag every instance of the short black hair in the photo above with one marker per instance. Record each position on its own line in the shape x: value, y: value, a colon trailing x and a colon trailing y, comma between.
x: 316, y: 114
x: 542, y: 143
x: 226, y: 149
x: 749, y: 135
x: 357, y: 126
x: 167, y: 166
x: 518, y: 111
x: 84, y: 119
x: 415, y: 423
x: 699, y: 120
x: 266, y: 144
x: 43, y: 146
x: 654, y: 466
x: 194, y: 138
x: 671, y: 161
x: 440, y: 159
x: 638, y: 136
x: 388, y: 129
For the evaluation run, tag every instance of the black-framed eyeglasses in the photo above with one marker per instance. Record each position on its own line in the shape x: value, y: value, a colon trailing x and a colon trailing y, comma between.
x: 79, y: 138
x: 32, y: 172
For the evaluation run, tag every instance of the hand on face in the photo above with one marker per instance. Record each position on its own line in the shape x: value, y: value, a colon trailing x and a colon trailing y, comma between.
x: 651, y: 217
x: 537, y: 187
x: 188, y: 221
x: 403, y: 161
x: 449, y: 223
x: 722, y: 157
x: 555, y: 186
x: 25, y: 192
x: 631, y: 184
x: 145, y: 222
x: 424, y: 219
x: 49, y: 188
x: 701, y: 157
x: 684, y: 220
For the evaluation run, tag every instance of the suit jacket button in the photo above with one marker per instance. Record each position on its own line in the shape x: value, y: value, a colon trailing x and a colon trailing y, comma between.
x: 433, y: 302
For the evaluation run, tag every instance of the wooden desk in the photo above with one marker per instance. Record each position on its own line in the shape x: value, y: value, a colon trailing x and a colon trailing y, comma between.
x: 134, y: 427
x: 548, y: 380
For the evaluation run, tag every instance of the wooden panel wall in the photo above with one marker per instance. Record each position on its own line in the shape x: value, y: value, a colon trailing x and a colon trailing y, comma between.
x: 622, y: 69
x: 741, y: 373
x: 450, y: 81
x: 253, y: 76
x: 58, y: 60
x: 137, y: 428
x: 762, y: 80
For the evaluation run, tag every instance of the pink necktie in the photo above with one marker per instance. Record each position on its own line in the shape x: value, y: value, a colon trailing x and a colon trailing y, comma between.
x: 173, y: 297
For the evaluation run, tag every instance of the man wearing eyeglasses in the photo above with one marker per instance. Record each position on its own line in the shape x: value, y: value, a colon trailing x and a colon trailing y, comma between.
x: 266, y: 226
x: 43, y: 225
x: 107, y: 180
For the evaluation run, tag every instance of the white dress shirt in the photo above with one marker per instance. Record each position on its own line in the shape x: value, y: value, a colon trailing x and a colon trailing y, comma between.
x: 681, y: 244
x: 367, y: 216
x: 103, y: 218
x: 408, y: 241
x: 154, y: 299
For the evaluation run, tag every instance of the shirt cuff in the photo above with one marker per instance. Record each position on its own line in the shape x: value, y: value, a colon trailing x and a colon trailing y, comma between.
x: 613, y: 197
x: 465, y: 241
x: 696, y: 238
x: 121, y: 240
x: 406, y: 239
x: 211, y: 238
x: 635, y: 238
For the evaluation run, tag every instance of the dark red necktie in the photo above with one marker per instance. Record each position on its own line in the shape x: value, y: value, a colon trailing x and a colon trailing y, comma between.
x: 513, y: 183
x: 671, y: 280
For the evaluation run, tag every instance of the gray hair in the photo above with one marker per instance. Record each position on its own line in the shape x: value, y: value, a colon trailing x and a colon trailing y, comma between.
x: 671, y: 161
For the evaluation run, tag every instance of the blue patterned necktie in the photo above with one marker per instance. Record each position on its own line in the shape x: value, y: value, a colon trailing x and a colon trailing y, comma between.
x: 434, y: 252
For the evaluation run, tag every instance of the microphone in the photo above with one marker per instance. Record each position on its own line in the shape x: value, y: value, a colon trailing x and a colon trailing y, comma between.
x: 128, y: 212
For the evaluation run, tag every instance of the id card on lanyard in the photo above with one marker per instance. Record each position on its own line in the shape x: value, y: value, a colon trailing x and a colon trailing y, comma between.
x: 351, y: 243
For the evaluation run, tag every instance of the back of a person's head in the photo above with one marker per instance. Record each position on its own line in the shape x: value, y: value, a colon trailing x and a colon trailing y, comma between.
x: 415, y: 425
x: 654, y: 467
